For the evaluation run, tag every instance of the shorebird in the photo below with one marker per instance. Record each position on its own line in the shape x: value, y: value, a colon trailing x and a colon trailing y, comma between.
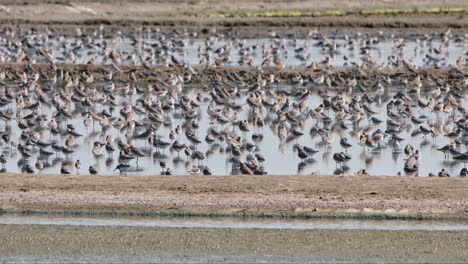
x: 162, y: 164
x: 310, y: 151
x: 345, y: 144
x: 446, y: 150
x: 3, y: 160
x: 136, y: 152
x: 464, y: 172
x: 26, y: 169
x: 194, y: 171
x: 341, y: 158
x: 198, y: 155
x: 301, y: 153
x: 443, y: 173
x: 412, y: 163
x: 206, y: 171
x: 362, y: 172
x: 178, y: 147
x: 97, y: 149
x: 87, y: 122
x: 260, y: 158
x: 92, y: 170
x: 64, y: 170
x: 39, y: 164
x: 409, y: 150
x: 168, y: 172
x: 122, y: 168
x: 377, y: 137
x: 188, y: 152
x: 125, y: 157
x: 77, y: 166
x: 109, y: 149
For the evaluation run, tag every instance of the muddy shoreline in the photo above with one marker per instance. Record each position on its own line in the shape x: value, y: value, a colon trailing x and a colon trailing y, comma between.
x: 129, y: 244
x: 261, y: 27
x: 371, y: 22
x: 272, y: 196
x: 247, y: 75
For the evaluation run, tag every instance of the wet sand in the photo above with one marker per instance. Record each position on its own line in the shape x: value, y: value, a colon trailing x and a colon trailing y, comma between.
x: 134, y: 244
x: 301, y: 196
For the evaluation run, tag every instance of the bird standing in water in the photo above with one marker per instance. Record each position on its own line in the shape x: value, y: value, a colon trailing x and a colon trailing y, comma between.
x: 162, y: 164
x: 3, y: 160
x: 122, y: 168
x: 78, y: 166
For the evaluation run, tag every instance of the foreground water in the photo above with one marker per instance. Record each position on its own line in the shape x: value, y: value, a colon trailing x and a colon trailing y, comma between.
x: 57, y: 239
x: 238, y: 223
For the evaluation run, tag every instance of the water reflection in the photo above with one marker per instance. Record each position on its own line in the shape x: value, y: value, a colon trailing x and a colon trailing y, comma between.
x: 281, y: 156
x: 242, y: 223
x: 166, y: 48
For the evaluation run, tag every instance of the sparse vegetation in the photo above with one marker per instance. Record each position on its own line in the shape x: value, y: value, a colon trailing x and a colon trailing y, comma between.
x: 332, y: 12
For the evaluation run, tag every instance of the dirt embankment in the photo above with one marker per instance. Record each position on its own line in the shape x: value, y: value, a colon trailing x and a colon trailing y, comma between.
x: 203, y: 75
x: 252, y: 195
x: 422, y: 14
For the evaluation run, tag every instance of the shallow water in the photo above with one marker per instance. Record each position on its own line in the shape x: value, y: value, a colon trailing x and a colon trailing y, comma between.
x: 188, y: 50
x: 238, y: 223
x: 58, y: 239
x: 281, y: 157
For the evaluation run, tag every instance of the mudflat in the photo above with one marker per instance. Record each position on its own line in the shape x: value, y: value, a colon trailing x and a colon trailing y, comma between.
x: 32, y: 243
x: 237, y: 195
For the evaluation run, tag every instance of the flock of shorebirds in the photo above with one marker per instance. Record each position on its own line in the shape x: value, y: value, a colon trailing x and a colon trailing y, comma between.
x: 150, y: 47
x: 136, y: 110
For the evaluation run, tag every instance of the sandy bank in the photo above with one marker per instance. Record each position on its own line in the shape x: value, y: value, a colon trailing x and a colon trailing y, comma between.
x: 237, y: 195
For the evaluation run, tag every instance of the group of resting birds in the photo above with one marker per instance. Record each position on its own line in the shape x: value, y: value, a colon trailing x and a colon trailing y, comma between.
x: 121, y: 113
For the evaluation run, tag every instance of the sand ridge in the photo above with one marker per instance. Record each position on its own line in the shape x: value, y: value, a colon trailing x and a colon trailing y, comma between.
x: 237, y: 195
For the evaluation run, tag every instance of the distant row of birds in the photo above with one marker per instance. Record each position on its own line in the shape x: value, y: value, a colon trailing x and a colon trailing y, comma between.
x: 148, y: 47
